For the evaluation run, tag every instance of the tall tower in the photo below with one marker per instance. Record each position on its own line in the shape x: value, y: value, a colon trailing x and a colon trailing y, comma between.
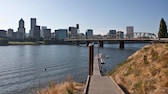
x: 21, y: 30
x: 130, y: 32
x: 21, y: 23
x: 32, y: 25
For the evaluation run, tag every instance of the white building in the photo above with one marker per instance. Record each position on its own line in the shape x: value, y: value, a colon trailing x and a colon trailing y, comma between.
x: 130, y: 32
x: 21, y: 30
x: 89, y: 33
x: 120, y: 34
x: 61, y: 34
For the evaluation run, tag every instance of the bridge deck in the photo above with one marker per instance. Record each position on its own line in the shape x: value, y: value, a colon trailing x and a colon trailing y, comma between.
x: 101, y: 84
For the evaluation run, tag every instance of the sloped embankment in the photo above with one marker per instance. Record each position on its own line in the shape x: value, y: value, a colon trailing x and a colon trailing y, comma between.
x: 145, y: 72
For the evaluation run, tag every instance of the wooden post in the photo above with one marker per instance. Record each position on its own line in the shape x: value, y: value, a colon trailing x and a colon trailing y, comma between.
x: 91, y: 56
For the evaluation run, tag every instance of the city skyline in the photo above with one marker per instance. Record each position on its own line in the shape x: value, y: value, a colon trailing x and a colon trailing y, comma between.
x: 101, y: 16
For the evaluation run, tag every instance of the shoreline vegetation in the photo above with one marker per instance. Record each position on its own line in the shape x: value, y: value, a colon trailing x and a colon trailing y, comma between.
x: 144, y: 72
x: 25, y: 43
x: 5, y: 42
x: 67, y: 87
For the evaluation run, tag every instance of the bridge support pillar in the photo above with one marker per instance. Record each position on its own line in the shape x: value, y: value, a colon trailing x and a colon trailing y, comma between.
x: 121, y: 44
x: 91, y: 58
x: 101, y: 44
x: 77, y: 43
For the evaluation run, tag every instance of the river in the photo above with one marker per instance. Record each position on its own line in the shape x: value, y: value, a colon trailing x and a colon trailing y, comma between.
x: 26, y: 68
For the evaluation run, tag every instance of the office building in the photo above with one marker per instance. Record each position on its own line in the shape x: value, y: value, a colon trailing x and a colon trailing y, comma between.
x: 61, y: 34
x: 130, y: 32
x: 32, y: 25
x: 21, y: 30
x: 73, y: 31
x: 2, y: 33
x: 36, y: 32
x: 112, y: 33
x: 15, y: 34
x: 45, y: 32
x: 120, y: 34
x: 89, y: 33
x: 10, y: 33
x: 42, y: 30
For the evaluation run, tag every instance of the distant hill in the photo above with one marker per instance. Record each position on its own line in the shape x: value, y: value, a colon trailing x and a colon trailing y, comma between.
x: 144, y: 72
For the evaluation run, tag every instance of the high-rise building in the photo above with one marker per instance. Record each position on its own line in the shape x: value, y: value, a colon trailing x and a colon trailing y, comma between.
x: 73, y: 31
x: 36, y: 32
x: 42, y: 30
x: 130, y: 32
x: 89, y: 33
x: 61, y: 34
x: 21, y: 30
x: 33, y: 24
x: 112, y: 33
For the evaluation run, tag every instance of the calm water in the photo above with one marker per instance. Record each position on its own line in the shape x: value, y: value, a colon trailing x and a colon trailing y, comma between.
x: 22, y: 68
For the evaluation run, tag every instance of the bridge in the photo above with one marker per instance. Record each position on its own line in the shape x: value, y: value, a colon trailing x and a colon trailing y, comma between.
x: 133, y: 37
x: 97, y: 84
x: 121, y: 41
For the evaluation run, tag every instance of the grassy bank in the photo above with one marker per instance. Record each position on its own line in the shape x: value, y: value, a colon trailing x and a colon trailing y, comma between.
x: 144, y: 72
x: 68, y: 87
x: 25, y: 43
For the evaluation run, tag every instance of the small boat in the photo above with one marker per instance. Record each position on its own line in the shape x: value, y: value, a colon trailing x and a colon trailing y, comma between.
x: 102, y: 61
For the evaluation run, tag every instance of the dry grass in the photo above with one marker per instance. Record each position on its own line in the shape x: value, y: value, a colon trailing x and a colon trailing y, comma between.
x: 68, y: 87
x: 146, y: 71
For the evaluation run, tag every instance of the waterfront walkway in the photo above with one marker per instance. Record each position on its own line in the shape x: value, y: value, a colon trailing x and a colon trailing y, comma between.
x: 98, y: 84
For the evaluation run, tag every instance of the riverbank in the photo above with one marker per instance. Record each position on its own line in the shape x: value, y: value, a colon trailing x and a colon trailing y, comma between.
x: 144, y: 72
x: 25, y: 43
x: 47, y: 42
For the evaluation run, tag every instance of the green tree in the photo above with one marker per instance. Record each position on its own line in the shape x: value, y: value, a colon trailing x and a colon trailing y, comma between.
x: 162, y: 29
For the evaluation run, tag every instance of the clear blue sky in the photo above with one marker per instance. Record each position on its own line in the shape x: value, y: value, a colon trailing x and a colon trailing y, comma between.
x: 99, y: 15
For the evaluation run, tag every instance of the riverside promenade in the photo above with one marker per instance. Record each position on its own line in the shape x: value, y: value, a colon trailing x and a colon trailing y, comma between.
x: 98, y: 84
